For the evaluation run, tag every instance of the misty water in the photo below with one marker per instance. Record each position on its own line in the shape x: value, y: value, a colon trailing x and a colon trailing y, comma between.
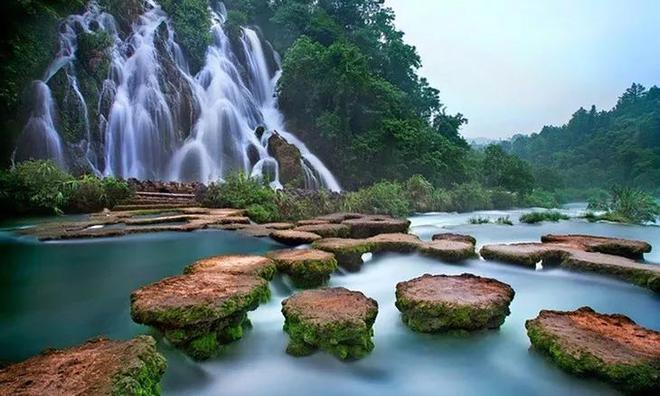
x: 60, y: 294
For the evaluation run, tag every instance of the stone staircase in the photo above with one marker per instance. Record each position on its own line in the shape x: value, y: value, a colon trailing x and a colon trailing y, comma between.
x: 147, y: 200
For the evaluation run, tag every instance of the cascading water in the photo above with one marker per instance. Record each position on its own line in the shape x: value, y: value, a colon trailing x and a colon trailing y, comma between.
x: 155, y: 119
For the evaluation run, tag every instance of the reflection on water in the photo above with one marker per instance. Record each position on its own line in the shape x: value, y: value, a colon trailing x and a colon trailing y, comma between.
x: 59, y: 294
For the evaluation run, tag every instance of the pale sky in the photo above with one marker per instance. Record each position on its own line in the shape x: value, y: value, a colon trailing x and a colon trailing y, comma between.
x: 512, y: 66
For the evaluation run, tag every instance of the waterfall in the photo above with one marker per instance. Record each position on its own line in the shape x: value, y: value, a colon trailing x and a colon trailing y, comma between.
x: 154, y: 119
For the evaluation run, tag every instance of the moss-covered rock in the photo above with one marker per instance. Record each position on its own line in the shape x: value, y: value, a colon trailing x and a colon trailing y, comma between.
x: 97, y: 367
x: 348, y: 252
x: 236, y: 265
x: 368, y: 226
x: 200, y: 311
x: 294, y: 238
x: 326, y: 230
x: 305, y: 267
x: 335, y: 320
x: 612, y: 348
x: 448, y: 236
x: 288, y: 157
x: 437, y: 303
x: 448, y: 250
x: 615, y: 246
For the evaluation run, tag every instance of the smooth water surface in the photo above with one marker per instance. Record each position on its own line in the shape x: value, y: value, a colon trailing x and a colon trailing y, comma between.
x: 59, y: 294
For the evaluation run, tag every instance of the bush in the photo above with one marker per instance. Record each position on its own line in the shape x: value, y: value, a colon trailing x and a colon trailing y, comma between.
x: 501, y: 199
x: 504, y: 220
x: 537, y: 217
x: 479, y: 220
x: 381, y: 198
x: 626, y: 205
x: 470, y: 196
x: 91, y: 194
x: 541, y: 199
x: 419, y: 192
x: 35, y: 187
x: 242, y: 192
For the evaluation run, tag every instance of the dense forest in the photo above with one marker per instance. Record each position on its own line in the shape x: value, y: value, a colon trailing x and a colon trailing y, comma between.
x: 599, y: 148
x: 350, y: 89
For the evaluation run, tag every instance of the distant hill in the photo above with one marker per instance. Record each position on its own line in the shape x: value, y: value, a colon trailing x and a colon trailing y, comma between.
x: 599, y: 148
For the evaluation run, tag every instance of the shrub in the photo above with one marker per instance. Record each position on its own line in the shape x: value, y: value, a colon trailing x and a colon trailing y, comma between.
x: 242, y: 192
x: 263, y: 213
x: 35, y: 187
x: 234, y: 23
x: 537, y: 217
x: 470, y: 196
x: 479, y: 220
x: 419, y: 192
x: 501, y: 199
x: 91, y: 194
x: 541, y: 199
x: 504, y: 220
x: 381, y: 198
x: 441, y: 201
x: 626, y: 205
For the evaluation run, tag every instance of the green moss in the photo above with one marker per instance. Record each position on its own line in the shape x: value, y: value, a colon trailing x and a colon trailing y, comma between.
x: 631, y: 378
x: 308, y: 273
x: 537, y: 217
x: 192, y: 24
x: 430, y: 318
x: 345, y: 340
x: 203, y: 347
x: 141, y: 378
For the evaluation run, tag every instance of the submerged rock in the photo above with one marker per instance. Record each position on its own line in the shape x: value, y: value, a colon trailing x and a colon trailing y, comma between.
x: 436, y: 303
x: 200, y: 311
x: 612, y: 348
x: 305, y: 267
x: 236, y: 265
x: 294, y: 238
x: 97, y: 367
x: 336, y: 320
x: 348, y: 252
x: 619, y: 247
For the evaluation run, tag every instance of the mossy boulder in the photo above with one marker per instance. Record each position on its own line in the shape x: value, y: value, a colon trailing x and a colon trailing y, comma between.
x: 326, y: 230
x: 201, y: 311
x: 438, y: 303
x: 336, y: 320
x: 368, y: 226
x: 97, y: 367
x: 306, y: 267
x: 236, y: 265
x: 293, y: 237
x: 289, y: 159
x: 448, y: 236
x: 448, y: 250
x: 348, y: 252
x: 395, y: 242
x: 612, y: 348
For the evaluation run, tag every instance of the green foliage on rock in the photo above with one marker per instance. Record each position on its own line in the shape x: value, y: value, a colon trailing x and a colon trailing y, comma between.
x: 40, y: 187
x: 626, y: 205
x: 234, y: 23
x: 243, y: 192
x: 191, y: 20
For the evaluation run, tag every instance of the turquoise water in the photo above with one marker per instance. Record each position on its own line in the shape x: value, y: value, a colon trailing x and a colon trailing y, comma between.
x: 59, y: 294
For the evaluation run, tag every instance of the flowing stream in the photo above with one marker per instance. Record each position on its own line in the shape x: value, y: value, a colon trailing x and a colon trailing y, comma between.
x: 60, y: 294
x: 155, y: 120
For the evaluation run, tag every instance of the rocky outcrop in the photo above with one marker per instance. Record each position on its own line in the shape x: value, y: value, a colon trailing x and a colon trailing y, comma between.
x: 236, y: 265
x: 288, y: 157
x: 336, y: 320
x: 306, y: 267
x: 612, y: 348
x: 368, y: 226
x: 326, y: 230
x: 97, y: 367
x: 436, y: 303
x: 454, y: 237
x: 201, y: 311
x: 573, y: 255
x: 616, y: 246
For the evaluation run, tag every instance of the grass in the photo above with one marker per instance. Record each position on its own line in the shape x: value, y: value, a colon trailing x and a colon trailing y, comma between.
x: 538, y: 217
x: 504, y: 220
x: 479, y: 220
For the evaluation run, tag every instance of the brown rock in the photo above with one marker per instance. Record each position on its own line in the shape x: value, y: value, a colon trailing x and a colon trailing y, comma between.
x: 369, y: 226
x: 610, y: 347
x: 326, y: 230
x: 397, y: 242
x: 289, y: 159
x: 339, y: 217
x: 311, y: 222
x: 448, y: 236
x: 236, y: 265
x: 433, y: 303
x: 619, y: 247
x: 278, y: 226
x: 98, y: 367
x: 448, y: 250
x: 294, y: 238
x: 306, y: 267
